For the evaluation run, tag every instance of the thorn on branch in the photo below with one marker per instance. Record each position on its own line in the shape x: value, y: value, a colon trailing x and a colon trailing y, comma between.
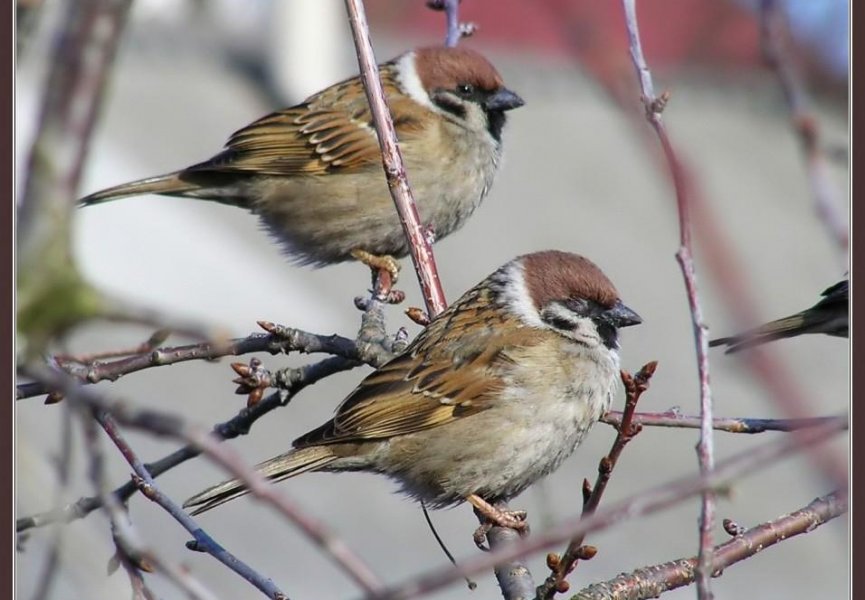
x: 587, y: 491
x: 53, y: 398
x: 655, y: 106
x: 418, y: 315
x: 733, y: 528
x: 194, y: 546
x: 468, y: 29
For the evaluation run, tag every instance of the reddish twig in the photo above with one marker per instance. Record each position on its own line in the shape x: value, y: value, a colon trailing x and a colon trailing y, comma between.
x: 82, y: 59
x: 561, y: 567
x: 643, y: 503
x: 394, y: 169
x: 651, y: 582
x: 776, y: 55
x: 728, y: 424
x: 705, y: 447
x: 720, y: 258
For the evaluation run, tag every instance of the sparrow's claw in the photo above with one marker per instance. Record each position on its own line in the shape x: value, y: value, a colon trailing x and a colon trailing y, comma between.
x: 494, y: 516
x: 385, y: 271
x: 378, y: 263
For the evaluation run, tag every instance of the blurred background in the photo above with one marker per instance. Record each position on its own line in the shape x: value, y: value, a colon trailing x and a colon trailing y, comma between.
x: 581, y: 173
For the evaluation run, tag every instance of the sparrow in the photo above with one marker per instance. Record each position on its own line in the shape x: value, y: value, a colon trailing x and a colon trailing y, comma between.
x: 313, y: 172
x: 830, y: 316
x: 494, y: 394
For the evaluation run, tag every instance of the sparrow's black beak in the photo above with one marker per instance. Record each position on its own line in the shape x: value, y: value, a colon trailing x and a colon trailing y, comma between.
x: 622, y: 316
x: 502, y: 100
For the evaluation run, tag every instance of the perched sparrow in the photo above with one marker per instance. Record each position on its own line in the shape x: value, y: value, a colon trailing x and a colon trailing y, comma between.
x: 830, y: 316
x: 313, y: 172
x: 495, y: 393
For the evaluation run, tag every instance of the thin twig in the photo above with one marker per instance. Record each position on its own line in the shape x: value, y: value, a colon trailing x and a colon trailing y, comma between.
x: 562, y: 566
x: 372, y: 333
x: 394, y: 169
x: 777, y: 56
x: 238, y: 425
x: 144, y: 481
x: 53, y: 296
x: 63, y: 460
x: 131, y: 551
x: 705, y: 447
x: 281, y: 339
x: 454, y: 29
x: 728, y: 424
x: 83, y: 56
x: 651, y: 582
x: 719, y: 255
x: 643, y: 503
x: 160, y: 423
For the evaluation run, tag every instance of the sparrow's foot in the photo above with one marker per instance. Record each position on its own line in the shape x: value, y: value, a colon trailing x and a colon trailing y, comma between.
x: 378, y: 263
x: 385, y: 272
x: 494, y: 516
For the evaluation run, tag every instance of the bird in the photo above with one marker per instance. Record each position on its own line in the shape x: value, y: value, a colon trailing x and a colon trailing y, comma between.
x: 313, y: 172
x: 830, y: 316
x: 495, y: 393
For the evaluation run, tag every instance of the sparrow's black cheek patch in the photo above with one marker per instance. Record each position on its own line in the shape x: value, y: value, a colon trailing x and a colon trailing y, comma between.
x: 495, y: 123
x: 451, y: 105
x: 609, y: 335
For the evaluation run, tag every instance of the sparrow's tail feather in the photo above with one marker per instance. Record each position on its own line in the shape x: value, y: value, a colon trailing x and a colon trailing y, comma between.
x: 276, y: 469
x: 225, y: 188
x: 169, y: 184
x: 782, y: 328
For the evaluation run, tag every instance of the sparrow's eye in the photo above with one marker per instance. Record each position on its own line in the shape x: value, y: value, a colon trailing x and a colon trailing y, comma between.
x: 465, y: 89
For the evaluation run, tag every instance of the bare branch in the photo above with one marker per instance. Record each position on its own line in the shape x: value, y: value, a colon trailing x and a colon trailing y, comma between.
x: 719, y: 255
x: 705, y: 447
x: 455, y: 29
x: 234, y: 427
x: 394, y: 169
x: 280, y: 339
x: 651, y: 582
x: 160, y: 423
x: 144, y: 482
x: 728, y: 424
x: 52, y: 295
x: 643, y: 503
x: 776, y: 55
x: 64, y: 460
x: 131, y: 551
x: 562, y: 566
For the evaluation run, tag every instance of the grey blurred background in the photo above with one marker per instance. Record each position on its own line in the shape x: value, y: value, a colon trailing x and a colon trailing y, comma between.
x: 576, y: 177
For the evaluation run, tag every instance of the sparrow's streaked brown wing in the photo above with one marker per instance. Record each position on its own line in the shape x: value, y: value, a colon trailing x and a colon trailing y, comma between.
x: 449, y: 372
x: 331, y: 129
x: 829, y: 316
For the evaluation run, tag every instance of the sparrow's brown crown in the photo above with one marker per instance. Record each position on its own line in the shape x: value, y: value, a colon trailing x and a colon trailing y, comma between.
x: 446, y: 68
x: 554, y: 275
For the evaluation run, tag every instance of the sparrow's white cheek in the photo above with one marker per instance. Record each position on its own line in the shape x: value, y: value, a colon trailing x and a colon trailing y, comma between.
x: 410, y: 82
x: 518, y: 298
